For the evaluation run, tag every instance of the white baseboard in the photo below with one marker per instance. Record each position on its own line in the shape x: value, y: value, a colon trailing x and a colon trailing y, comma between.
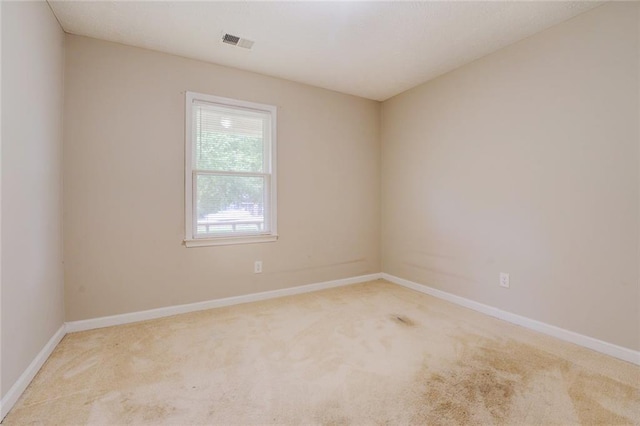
x: 93, y: 323
x: 619, y: 352
x: 21, y: 384
x: 589, y: 342
x: 23, y: 381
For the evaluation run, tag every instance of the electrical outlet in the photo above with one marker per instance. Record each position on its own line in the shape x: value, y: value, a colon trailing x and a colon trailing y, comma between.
x: 257, y: 267
x: 504, y: 280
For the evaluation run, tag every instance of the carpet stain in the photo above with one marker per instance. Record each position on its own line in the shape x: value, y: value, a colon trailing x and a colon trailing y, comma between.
x: 588, y: 393
x: 403, y: 320
x: 480, y: 386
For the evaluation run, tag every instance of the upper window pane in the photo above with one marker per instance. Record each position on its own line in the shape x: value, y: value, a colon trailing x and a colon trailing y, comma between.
x: 229, y: 140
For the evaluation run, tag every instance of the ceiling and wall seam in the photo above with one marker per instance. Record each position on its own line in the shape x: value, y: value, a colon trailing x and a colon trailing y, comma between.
x: 353, y: 48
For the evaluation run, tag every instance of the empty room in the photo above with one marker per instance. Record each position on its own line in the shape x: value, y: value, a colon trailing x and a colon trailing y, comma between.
x: 233, y: 213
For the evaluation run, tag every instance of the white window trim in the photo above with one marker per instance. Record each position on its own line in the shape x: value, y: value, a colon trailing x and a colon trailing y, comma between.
x: 190, y: 240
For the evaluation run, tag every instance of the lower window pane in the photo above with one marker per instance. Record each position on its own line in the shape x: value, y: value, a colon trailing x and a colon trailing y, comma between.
x: 230, y: 205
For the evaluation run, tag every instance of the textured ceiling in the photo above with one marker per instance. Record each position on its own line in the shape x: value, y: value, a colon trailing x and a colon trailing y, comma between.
x: 368, y: 48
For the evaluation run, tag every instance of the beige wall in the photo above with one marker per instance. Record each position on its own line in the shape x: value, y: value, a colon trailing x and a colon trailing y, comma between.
x: 32, y: 100
x: 526, y: 162
x: 124, y: 185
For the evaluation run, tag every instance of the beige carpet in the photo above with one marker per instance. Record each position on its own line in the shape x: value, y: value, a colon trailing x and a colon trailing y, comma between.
x: 372, y: 353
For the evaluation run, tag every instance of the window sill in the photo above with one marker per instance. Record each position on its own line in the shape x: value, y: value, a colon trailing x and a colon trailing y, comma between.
x: 225, y: 241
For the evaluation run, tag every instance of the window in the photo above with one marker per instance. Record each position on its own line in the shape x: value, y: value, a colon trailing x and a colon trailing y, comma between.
x: 230, y: 180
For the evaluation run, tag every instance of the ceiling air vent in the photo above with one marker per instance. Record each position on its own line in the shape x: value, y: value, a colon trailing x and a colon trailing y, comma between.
x: 237, y: 41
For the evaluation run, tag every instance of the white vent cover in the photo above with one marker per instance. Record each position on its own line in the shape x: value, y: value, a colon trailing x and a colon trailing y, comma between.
x: 237, y: 41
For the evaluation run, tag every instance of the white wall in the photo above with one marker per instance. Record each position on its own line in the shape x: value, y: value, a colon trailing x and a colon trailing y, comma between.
x: 124, y: 184
x: 32, y: 104
x: 526, y: 162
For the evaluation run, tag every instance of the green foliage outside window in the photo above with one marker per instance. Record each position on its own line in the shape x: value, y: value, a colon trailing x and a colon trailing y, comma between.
x: 228, y: 152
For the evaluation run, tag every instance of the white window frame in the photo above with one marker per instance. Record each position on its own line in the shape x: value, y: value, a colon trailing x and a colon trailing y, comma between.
x: 191, y: 240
